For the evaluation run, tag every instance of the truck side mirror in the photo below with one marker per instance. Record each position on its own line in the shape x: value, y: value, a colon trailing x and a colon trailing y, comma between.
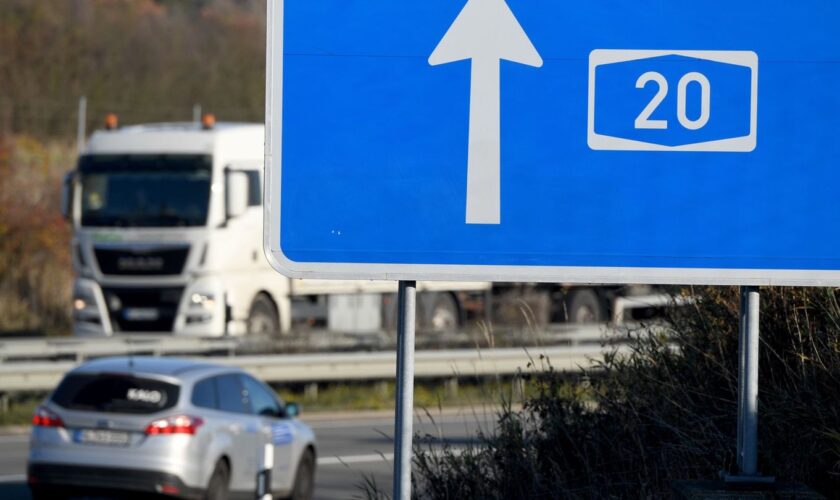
x: 67, y: 195
x: 236, y: 193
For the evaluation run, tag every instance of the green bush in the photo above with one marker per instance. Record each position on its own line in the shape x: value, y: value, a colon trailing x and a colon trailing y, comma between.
x: 667, y: 411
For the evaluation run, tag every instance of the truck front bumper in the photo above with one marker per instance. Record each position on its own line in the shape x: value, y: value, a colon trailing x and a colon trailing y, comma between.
x: 198, y: 309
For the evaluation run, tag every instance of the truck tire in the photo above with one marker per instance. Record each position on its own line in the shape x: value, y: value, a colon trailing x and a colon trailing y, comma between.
x: 389, y: 312
x: 583, y: 305
x: 439, y: 312
x: 263, y: 320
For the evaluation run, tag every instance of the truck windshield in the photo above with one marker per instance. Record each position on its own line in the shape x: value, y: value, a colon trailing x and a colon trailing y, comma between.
x: 145, y: 190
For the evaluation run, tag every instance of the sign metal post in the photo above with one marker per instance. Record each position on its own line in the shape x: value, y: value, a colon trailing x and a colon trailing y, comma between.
x: 406, y: 314
x: 748, y: 343
x: 81, y: 124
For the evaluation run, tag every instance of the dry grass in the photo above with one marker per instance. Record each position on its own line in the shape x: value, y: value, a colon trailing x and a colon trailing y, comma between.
x: 35, y: 270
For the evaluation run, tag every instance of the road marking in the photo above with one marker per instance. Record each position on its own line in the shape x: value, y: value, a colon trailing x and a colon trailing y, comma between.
x: 486, y: 32
x: 480, y: 415
x: 371, y: 458
x: 13, y: 478
x: 356, y: 459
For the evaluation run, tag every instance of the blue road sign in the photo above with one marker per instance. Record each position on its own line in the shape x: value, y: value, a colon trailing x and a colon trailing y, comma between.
x: 646, y: 141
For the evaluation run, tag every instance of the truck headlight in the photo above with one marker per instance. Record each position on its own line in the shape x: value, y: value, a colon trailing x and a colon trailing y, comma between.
x: 84, y: 306
x: 204, y: 301
x: 200, y: 308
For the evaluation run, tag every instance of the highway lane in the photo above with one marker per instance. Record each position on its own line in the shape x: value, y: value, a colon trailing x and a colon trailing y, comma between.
x: 351, y: 447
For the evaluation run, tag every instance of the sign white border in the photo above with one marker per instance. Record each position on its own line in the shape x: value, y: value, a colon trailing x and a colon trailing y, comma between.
x: 552, y: 274
x: 745, y: 144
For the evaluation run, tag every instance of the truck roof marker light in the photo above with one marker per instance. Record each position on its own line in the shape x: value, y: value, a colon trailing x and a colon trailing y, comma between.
x: 208, y: 121
x: 112, y: 121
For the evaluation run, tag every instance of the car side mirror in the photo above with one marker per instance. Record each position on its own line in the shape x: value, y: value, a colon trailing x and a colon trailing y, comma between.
x: 236, y: 193
x: 292, y: 410
x: 67, y: 195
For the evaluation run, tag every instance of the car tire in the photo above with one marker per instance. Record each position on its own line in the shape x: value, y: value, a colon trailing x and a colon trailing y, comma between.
x: 585, y: 306
x: 304, y: 485
x: 263, y: 320
x: 218, y: 488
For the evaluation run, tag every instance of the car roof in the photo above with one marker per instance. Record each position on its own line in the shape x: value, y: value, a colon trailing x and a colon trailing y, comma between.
x: 182, y: 369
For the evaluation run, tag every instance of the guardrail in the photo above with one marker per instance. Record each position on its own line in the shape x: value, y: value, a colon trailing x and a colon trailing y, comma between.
x: 81, y: 348
x: 326, y: 367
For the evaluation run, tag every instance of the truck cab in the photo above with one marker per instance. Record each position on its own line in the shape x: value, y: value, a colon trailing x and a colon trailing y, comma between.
x: 167, y: 237
x: 166, y: 224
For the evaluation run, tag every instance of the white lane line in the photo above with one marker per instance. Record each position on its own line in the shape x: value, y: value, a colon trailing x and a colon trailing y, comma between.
x: 356, y: 459
x: 370, y: 458
x: 424, y: 421
x: 13, y: 478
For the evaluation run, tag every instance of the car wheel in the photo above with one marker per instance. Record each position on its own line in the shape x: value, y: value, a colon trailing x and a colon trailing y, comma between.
x: 219, y: 485
x: 304, y: 477
x: 584, y: 306
x: 263, y: 320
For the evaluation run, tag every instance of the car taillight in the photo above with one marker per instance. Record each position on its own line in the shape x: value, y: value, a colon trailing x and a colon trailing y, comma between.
x: 179, y: 424
x: 46, y: 418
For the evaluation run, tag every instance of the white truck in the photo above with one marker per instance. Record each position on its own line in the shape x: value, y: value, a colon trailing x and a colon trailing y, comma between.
x: 167, y: 223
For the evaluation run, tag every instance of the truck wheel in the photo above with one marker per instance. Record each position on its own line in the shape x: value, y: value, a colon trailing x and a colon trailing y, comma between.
x: 263, y: 320
x: 584, y: 306
x: 440, y: 313
x: 304, y: 477
x: 389, y: 312
x: 217, y: 488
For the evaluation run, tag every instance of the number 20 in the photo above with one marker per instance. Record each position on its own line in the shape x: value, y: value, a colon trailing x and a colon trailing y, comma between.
x: 643, y: 121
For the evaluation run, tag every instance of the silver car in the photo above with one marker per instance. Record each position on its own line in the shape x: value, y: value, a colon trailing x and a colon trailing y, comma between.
x: 168, y: 426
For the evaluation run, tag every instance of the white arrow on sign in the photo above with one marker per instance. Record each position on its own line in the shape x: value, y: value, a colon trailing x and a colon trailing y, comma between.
x: 485, y: 31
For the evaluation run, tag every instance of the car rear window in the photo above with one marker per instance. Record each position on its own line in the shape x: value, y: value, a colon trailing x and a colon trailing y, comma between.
x: 115, y: 393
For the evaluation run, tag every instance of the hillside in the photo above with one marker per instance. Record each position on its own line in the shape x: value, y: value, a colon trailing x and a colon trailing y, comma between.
x: 146, y: 60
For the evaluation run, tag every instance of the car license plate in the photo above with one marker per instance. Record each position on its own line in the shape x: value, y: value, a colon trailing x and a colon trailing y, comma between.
x: 102, y: 437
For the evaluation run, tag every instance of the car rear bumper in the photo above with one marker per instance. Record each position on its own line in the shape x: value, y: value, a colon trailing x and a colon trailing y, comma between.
x: 110, y: 478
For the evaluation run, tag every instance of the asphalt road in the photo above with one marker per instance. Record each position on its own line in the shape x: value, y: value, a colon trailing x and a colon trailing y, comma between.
x: 352, y: 447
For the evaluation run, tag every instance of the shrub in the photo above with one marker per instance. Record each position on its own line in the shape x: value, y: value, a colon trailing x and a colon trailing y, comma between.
x: 666, y: 411
x: 35, y: 270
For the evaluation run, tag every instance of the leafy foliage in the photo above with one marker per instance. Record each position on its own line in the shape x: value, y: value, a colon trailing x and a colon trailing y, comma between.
x: 143, y: 59
x: 35, y: 271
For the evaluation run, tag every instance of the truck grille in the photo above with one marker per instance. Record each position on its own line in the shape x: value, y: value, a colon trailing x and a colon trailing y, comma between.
x: 143, y: 309
x: 132, y: 262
